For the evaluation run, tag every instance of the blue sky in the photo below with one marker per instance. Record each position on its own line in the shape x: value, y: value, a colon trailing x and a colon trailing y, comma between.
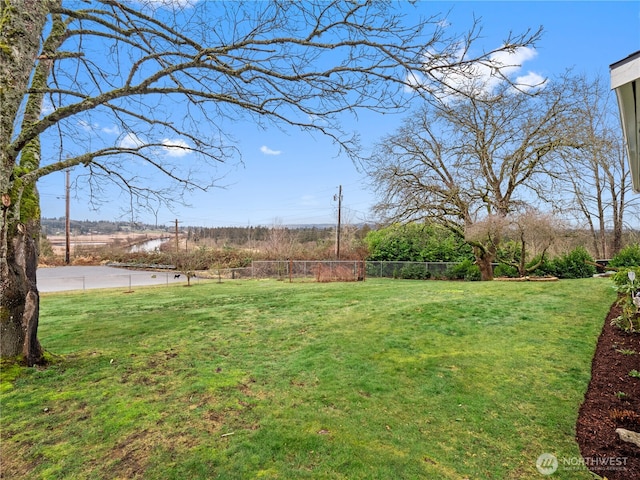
x: 291, y: 177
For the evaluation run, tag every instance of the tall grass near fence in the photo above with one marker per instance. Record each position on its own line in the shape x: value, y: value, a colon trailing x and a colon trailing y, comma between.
x: 339, y: 270
x: 264, y: 379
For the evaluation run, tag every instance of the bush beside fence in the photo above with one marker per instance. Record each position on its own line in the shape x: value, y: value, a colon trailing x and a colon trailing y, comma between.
x: 346, y: 270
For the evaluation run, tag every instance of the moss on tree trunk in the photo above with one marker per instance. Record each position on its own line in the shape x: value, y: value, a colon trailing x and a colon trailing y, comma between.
x: 22, y: 22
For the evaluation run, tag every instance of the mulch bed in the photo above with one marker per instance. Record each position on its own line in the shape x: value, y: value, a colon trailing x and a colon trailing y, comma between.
x: 612, y: 401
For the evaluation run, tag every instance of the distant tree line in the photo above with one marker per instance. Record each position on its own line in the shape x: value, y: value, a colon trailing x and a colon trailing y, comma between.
x: 245, y: 236
x: 55, y: 226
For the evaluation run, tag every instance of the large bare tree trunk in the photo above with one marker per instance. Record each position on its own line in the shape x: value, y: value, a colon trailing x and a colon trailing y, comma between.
x: 20, y: 300
x: 616, y: 241
x: 21, y: 23
x: 618, y: 205
x: 484, y: 260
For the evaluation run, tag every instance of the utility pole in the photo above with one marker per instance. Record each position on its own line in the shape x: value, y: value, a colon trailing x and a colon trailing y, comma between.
x: 177, y: 241
x: 339, y: 199
x: 67, y: 256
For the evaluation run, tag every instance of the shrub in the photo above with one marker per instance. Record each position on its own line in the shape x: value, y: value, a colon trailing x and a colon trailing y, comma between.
x: 413, y: 272
x: 627, y: 284
x: 622, y: 282
x: 574, y: 264
x: 627, y: 257
x: 624, y: 417
x: 340, y: 273
x: 416, y: 242
x: 548, y: 268
x: 503, y: 270
x: 473, y: 274
x: 625, y: 322
x: 465, y: 270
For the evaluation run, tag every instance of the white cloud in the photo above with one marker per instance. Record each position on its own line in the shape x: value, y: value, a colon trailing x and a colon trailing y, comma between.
x: 414, y: 81
x: 530, y: 81
x: 47, y: 107
x: 130, y: 140
x: 512, y: 61
x: 483, y: 78
x: 87, y: 126
x: 503, y: 64
x: 267, y: 151
x: 176, y: 147
x: 111, y: 130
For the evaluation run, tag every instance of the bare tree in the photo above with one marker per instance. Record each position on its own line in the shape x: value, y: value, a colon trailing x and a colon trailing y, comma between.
x: 473, y: 158
x: 280, y: 241
x: 165, y: 82
x: 188, y: 263
x: 596, y: 177
x: 532, y: 234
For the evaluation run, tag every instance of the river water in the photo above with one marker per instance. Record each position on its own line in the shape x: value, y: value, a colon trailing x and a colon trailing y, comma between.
x: 149, y: 245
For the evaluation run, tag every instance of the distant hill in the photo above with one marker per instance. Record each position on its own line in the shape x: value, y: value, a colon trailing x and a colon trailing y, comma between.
x: 56, y: 226
x: 232, y: 235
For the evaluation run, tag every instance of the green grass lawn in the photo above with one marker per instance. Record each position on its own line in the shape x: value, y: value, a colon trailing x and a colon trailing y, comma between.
x: 262, y: 379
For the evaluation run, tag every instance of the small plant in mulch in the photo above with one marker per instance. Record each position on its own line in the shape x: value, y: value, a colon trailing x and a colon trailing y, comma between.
x: 628, y: 288
x: 621, y: 395
x: 626, y: 351
x: 625, y: 418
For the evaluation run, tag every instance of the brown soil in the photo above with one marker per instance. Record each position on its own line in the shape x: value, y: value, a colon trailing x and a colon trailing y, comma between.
x: 612, y: 401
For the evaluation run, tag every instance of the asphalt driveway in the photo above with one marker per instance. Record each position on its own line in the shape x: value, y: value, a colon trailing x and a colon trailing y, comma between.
x: 57, y: 279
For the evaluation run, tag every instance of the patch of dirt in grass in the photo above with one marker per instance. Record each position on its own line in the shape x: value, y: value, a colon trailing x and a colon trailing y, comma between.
x: 131, y: 457
x: 17, y: 461
x: 612, y: 401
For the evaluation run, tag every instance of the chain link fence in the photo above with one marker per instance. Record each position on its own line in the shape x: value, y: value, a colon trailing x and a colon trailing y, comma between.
x: 416, y: 270
x: 338, y: 270
x: 85, y: 278
x: 320, y: 270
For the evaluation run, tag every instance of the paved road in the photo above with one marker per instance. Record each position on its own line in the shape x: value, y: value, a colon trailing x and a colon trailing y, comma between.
x: 57, y: 279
